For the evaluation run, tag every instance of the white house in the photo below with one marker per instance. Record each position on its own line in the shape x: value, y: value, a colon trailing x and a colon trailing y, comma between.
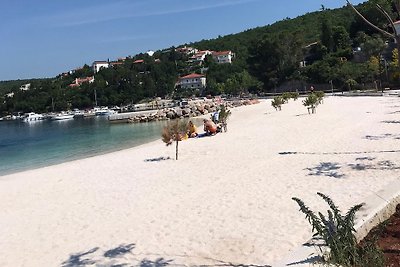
x: 25, y: 87
x: 200, y: 56
x: 192, y: 81
x: 223, y: 57
x: 97, y: 65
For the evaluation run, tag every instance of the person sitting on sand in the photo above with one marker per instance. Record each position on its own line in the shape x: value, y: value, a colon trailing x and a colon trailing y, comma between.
x: 210, y: 127
x: 192, y: 130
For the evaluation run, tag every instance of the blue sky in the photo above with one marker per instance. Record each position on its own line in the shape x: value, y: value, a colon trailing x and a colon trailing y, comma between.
x: 42, y: 38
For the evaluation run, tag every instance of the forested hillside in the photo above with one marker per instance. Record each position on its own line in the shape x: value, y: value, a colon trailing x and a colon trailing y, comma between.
x: 327, y: 46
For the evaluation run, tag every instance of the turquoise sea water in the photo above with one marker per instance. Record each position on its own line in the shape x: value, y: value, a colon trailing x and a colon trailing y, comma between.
x: 25, y: 146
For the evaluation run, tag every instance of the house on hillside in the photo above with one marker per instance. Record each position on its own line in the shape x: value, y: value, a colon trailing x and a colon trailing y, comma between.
x: 192, y: 81
x: 10, y: 95
x: 187, y: 50
x: 116, y: 63
x: 222, y: 57
x: 199, y: 57
x: 150, y: 53
x: 98, y: 65
x: 138, y: 61
x: 25, y: 87
x: 79, y: 81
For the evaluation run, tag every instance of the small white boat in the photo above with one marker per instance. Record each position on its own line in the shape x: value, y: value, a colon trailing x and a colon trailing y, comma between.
x: 32, y: 116
x: 104, y: 111
x: 78, y: 113
x: 62, y: 116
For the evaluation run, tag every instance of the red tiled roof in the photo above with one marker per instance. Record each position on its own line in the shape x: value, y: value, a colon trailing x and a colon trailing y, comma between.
x: 138, y: 61
x: 192, y: 76
x: 221, y: 53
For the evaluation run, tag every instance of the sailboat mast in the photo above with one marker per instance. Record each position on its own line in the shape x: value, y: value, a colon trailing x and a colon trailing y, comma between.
x: 95, y: 97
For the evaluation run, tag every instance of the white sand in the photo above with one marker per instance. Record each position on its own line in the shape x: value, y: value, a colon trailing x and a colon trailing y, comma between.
x: 227, y: 199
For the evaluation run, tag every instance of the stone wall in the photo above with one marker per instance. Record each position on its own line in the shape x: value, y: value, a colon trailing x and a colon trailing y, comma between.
x: 192, y: 109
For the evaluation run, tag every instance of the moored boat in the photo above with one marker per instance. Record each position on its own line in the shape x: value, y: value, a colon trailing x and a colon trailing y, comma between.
x: 32, y: 116
x: 104, y: 111
x: 62, y: 116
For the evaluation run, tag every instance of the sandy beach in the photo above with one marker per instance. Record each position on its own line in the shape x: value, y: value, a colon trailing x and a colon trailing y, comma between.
x: 226, y: 200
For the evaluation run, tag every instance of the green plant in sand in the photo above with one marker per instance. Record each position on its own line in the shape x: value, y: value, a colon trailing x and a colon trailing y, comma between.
x: 224, y: 115
x: 320, y: 95
x: 174, y: 131
x: 311, y: 102
x: 294, y: 95
x: 337, y: 232
x: 277, y: 102
x: 286, y: 96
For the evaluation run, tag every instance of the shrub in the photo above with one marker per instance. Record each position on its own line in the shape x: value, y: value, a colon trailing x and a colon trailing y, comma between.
x: 285, y: 97
x: 277, y: 102
x: 294, y: 95
x: 337, y: 232
x: 224, y: 115
x: 320, y: 95
x: 311, y: 102
x: 350, y: 83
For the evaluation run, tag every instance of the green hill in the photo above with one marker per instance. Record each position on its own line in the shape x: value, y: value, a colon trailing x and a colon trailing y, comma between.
x: 313, y: 48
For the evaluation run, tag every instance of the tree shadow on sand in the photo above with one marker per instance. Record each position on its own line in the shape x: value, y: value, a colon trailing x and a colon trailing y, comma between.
x: 329, y: 169
x: 391, y: 122
x: 382, y: 136
x: 157, y: 159
x: 310, y: 260
x: 337, y: 153
x: 122, y: 256
x: 302, y: 114
x: 383, y: 165
x: 80, y: 259
x: 114, y: 257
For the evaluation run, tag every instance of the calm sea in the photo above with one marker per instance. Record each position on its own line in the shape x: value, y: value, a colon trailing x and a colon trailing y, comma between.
x: 25, y: 146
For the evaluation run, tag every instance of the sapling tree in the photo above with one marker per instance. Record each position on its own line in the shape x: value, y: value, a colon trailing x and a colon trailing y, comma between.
x: 174, y: 131
x: 294, y: 95
x: 224, y: 114
x: 277, y: 102
x: 311, y: 102
x: 320, y: 96
x: 285, y: 97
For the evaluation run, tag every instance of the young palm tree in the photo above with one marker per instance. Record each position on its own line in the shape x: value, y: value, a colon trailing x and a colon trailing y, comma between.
x: 224, y: 114
x: 311, y: 102
x: 277, y: 102
x: 174, y: 131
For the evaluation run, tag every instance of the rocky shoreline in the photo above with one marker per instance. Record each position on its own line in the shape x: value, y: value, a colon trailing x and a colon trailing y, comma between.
x: 191, y: 109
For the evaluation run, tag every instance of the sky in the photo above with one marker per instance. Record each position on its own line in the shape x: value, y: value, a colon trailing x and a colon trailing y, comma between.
x: 43, y: 38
